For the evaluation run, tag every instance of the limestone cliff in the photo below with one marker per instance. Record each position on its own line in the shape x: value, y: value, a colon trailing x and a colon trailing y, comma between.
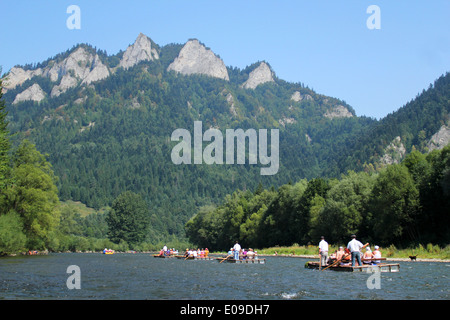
x: 440, y: 139
x: 260, y: 75
x: 34, y: 93
x: 140, y: 50
x: 17, y: 76
x: 194, y: 58
x: 394, y: 152
x: 338, y: 112
x: 80, y: 66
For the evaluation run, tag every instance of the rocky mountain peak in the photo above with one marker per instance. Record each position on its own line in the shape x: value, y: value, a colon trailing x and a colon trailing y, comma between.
x: 140, y: 50
x: 79, y: 65
x: 260, y: 75
x: 194, y: 58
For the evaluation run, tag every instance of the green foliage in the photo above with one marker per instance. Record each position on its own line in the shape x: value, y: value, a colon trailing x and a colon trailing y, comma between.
x: 12, y: 238
x: 128, y: 219
x: 394, y: 204
x: 33, y: 194
x: 4, y: 147
x: 388, y: 207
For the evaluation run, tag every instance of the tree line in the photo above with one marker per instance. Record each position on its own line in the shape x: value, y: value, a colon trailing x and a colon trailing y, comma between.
x: 403, y: 204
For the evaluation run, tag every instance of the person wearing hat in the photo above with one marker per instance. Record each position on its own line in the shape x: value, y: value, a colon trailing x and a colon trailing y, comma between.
x: 368, y: 255
x: 250, y: 254
x: 323, y: 251
x: 376, y: 255
x: 354, y: 246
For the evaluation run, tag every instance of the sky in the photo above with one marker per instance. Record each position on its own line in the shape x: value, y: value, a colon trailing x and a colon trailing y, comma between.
x: 325, y: 44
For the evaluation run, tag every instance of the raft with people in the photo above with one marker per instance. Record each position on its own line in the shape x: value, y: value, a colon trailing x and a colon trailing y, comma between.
x: 195, y: 258
x: 381, y: 267
x: 351, y: 259
x: 231, y: 260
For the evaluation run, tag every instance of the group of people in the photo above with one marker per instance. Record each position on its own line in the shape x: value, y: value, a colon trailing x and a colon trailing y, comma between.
x: 238, y: 253
x: 167, y: 251
x: 351, y: 255
x: 199, y: 253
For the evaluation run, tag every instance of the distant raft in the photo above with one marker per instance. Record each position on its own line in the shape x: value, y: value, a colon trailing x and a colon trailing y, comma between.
x: 246, y: 261
x: 195, y: 258
x: 162, y: 256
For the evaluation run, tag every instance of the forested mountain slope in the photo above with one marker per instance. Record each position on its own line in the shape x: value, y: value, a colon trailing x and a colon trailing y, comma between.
x: 106, y: 121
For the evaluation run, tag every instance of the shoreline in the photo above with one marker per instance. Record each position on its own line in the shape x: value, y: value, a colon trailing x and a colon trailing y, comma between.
x: 387, y: 259
x: 221, y: 253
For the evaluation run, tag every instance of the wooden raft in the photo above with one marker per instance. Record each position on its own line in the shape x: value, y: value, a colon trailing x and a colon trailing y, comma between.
x: 257, y: 261
x: 381, y: 267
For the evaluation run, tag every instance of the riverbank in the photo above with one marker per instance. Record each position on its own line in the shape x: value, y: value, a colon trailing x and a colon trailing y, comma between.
x: 431, y: 253
x: 387, y: 259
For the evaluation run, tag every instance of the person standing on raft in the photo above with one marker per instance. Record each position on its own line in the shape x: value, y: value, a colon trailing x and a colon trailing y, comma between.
x: 354, y: 246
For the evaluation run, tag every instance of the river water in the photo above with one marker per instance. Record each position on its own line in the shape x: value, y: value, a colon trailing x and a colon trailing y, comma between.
x: 140, y: 276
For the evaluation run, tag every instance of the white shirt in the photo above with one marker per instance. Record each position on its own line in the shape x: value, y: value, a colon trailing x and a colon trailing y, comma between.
x: 237, y: 247
x: 354, y: 245
x: 323, y: 246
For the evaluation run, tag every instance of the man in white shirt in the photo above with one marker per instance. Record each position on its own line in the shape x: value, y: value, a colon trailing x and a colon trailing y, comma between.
x: 323, y: 251
x: 237, y: 249
x: 354, y: 246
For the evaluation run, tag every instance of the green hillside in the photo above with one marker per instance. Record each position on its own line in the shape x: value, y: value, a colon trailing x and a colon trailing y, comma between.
x: 113, y: 135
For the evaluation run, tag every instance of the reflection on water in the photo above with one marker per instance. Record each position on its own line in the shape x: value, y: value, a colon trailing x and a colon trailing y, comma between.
x: 140, y: 276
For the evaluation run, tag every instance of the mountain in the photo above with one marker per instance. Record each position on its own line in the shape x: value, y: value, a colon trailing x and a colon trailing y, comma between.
x: 106, y: 123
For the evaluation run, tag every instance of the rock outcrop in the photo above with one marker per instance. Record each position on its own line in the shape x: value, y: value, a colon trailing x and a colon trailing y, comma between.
x: 194, y: 58
x: 80, y: 66
x: 33, y: 93
x: 17, y: 76
x: 440, y: 139
x: 140, y: 50
x: 260, y: 75
x: 394, y: 152
x: 338, y: 112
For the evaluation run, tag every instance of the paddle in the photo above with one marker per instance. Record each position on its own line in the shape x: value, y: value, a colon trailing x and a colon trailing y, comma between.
x: 225, y: 258
x: 320, y: 262
x: 345, y: 256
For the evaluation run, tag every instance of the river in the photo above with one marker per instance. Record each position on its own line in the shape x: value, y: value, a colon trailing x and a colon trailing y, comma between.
x: 140, y: 276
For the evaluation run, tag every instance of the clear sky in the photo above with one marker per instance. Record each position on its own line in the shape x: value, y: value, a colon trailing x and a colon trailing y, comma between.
x: 324, y: 44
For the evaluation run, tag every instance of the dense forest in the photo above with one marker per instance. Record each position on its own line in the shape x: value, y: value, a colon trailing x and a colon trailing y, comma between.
x: 110, y: 141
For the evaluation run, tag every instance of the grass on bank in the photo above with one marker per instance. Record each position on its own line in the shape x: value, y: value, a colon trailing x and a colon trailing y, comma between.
x: 428, y: 251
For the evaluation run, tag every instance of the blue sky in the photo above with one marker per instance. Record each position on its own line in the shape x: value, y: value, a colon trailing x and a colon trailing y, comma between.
x: 324, y: 44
